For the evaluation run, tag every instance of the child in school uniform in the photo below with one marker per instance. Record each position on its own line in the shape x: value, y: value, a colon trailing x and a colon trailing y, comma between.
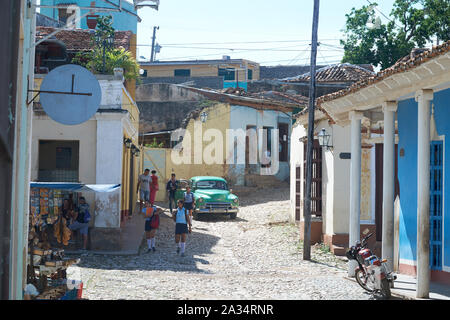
x: 151, y: 224
x: 181, y: 218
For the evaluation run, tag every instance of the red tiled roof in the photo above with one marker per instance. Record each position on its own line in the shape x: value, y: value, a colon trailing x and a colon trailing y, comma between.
x: 408, y: 62
x: 341, y: 72
x: 81, y: 40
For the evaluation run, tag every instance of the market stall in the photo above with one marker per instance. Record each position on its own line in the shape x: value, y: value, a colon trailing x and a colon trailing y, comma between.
x: 49, y: 235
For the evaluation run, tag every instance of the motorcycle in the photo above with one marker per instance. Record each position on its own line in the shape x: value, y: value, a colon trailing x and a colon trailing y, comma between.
x: 372, y: 273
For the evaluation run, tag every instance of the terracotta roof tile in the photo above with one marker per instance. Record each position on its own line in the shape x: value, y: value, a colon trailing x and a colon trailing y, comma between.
x: 81, y: 40
x: 341, y: 72
x: 416, y: 58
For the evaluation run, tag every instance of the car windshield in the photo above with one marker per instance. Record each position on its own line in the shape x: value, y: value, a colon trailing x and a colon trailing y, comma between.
x: 212, y: 184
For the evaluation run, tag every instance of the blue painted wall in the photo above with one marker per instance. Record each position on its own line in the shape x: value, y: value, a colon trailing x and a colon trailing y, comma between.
x: 122, y: 21
x: 232, y: 84
x: 442, y: 116
x: 407, y: 172
x: 407, y: 175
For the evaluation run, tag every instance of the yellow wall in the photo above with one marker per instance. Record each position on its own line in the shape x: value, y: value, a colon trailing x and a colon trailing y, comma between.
x: 218, y: 118
x: 201, y: 70
x: 129, y: 105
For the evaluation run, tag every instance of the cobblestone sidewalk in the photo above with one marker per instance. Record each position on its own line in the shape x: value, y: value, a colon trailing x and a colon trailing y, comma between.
x: 256, y: 256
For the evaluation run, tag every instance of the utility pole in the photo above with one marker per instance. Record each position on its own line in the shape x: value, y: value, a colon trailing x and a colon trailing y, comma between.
x: 309, y: 149
x: 152, y: 56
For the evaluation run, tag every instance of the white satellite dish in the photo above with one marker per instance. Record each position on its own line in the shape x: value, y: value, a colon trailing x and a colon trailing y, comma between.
x: 70, y: 94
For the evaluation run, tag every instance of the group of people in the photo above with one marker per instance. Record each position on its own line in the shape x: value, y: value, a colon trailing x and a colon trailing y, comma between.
x: 147, y: 187
x: 77, y: 217
x: 181, y: 212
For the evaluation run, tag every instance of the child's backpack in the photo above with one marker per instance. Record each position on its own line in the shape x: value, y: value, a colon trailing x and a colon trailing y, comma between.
x: 154, y: 218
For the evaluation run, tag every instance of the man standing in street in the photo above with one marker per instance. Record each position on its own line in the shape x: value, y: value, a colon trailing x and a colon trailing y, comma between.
x: 171, y: 187
x: 143, y: 187
x: 81, y: 220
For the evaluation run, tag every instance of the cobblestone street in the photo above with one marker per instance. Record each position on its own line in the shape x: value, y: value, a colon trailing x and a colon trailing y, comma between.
x: 256, y: 256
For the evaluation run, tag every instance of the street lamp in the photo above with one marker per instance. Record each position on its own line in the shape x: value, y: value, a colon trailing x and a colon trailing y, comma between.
x: 324, y: 139
x: 203, y: 117
x: 127, y: 142
x: 135, y: 150
x: 107, y: 42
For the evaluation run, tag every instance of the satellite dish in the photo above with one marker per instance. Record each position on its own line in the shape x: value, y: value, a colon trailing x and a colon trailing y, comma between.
x: 70, y: 94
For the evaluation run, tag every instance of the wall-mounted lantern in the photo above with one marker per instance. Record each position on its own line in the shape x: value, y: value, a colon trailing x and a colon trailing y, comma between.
x: 203, y: 117
x: 135, y: 150
x: 324, y: 139
x: 127, y: 142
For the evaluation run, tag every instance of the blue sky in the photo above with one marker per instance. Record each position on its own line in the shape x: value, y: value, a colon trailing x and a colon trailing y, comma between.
x: 204, y: 29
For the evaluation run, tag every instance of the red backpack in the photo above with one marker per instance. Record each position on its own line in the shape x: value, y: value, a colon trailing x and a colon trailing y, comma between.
x: 154, y: 219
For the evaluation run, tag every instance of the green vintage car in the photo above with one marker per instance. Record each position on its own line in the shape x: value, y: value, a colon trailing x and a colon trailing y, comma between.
x: 211, y: 195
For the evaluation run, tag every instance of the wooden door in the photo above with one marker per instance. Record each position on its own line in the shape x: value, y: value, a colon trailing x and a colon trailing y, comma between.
x: 283, y: 140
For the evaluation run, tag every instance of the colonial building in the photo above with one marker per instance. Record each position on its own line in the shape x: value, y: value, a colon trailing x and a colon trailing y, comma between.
x: 253, y: 133
x: 330, y: 204
x: 102, y: 150
x: 215, y: 74
x: 406, y: 105
x: 124, y: 20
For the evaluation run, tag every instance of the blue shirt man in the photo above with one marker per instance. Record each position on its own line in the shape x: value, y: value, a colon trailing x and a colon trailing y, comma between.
x: 171, y: 188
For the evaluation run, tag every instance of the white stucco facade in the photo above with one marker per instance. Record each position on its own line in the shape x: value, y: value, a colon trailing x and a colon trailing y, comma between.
x: 240, y: 118
x: 100, y: 141
x: 335, y: 171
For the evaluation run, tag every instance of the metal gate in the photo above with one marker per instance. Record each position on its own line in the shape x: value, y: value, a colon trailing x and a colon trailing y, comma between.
x: 316, y: 181
x: 297, y: 194
x: 436, y: 156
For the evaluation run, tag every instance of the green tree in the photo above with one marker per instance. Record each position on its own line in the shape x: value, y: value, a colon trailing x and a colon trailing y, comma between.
x: 155, y: 144
x: 114, y: 57
x: 412, y: 23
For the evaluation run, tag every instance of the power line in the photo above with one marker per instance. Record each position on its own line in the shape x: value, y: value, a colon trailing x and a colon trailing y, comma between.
x: 240, y: 42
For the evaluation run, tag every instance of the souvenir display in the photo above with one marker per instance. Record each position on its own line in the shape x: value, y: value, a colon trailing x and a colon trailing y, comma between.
x: 46, y: 265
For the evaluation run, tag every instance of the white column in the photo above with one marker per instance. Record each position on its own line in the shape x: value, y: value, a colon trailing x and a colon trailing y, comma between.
x: 389, y: 109
x: 355, y: 184
x: 109, y: 156
x: 423, y: 98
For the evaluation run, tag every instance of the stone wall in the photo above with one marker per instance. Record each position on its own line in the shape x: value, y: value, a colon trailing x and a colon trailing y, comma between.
x: 299, y: 88
x: 164, y: 106
x: 198, y: 82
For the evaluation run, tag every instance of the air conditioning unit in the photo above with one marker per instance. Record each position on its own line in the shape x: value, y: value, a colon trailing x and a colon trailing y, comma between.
x: 226, y: 57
